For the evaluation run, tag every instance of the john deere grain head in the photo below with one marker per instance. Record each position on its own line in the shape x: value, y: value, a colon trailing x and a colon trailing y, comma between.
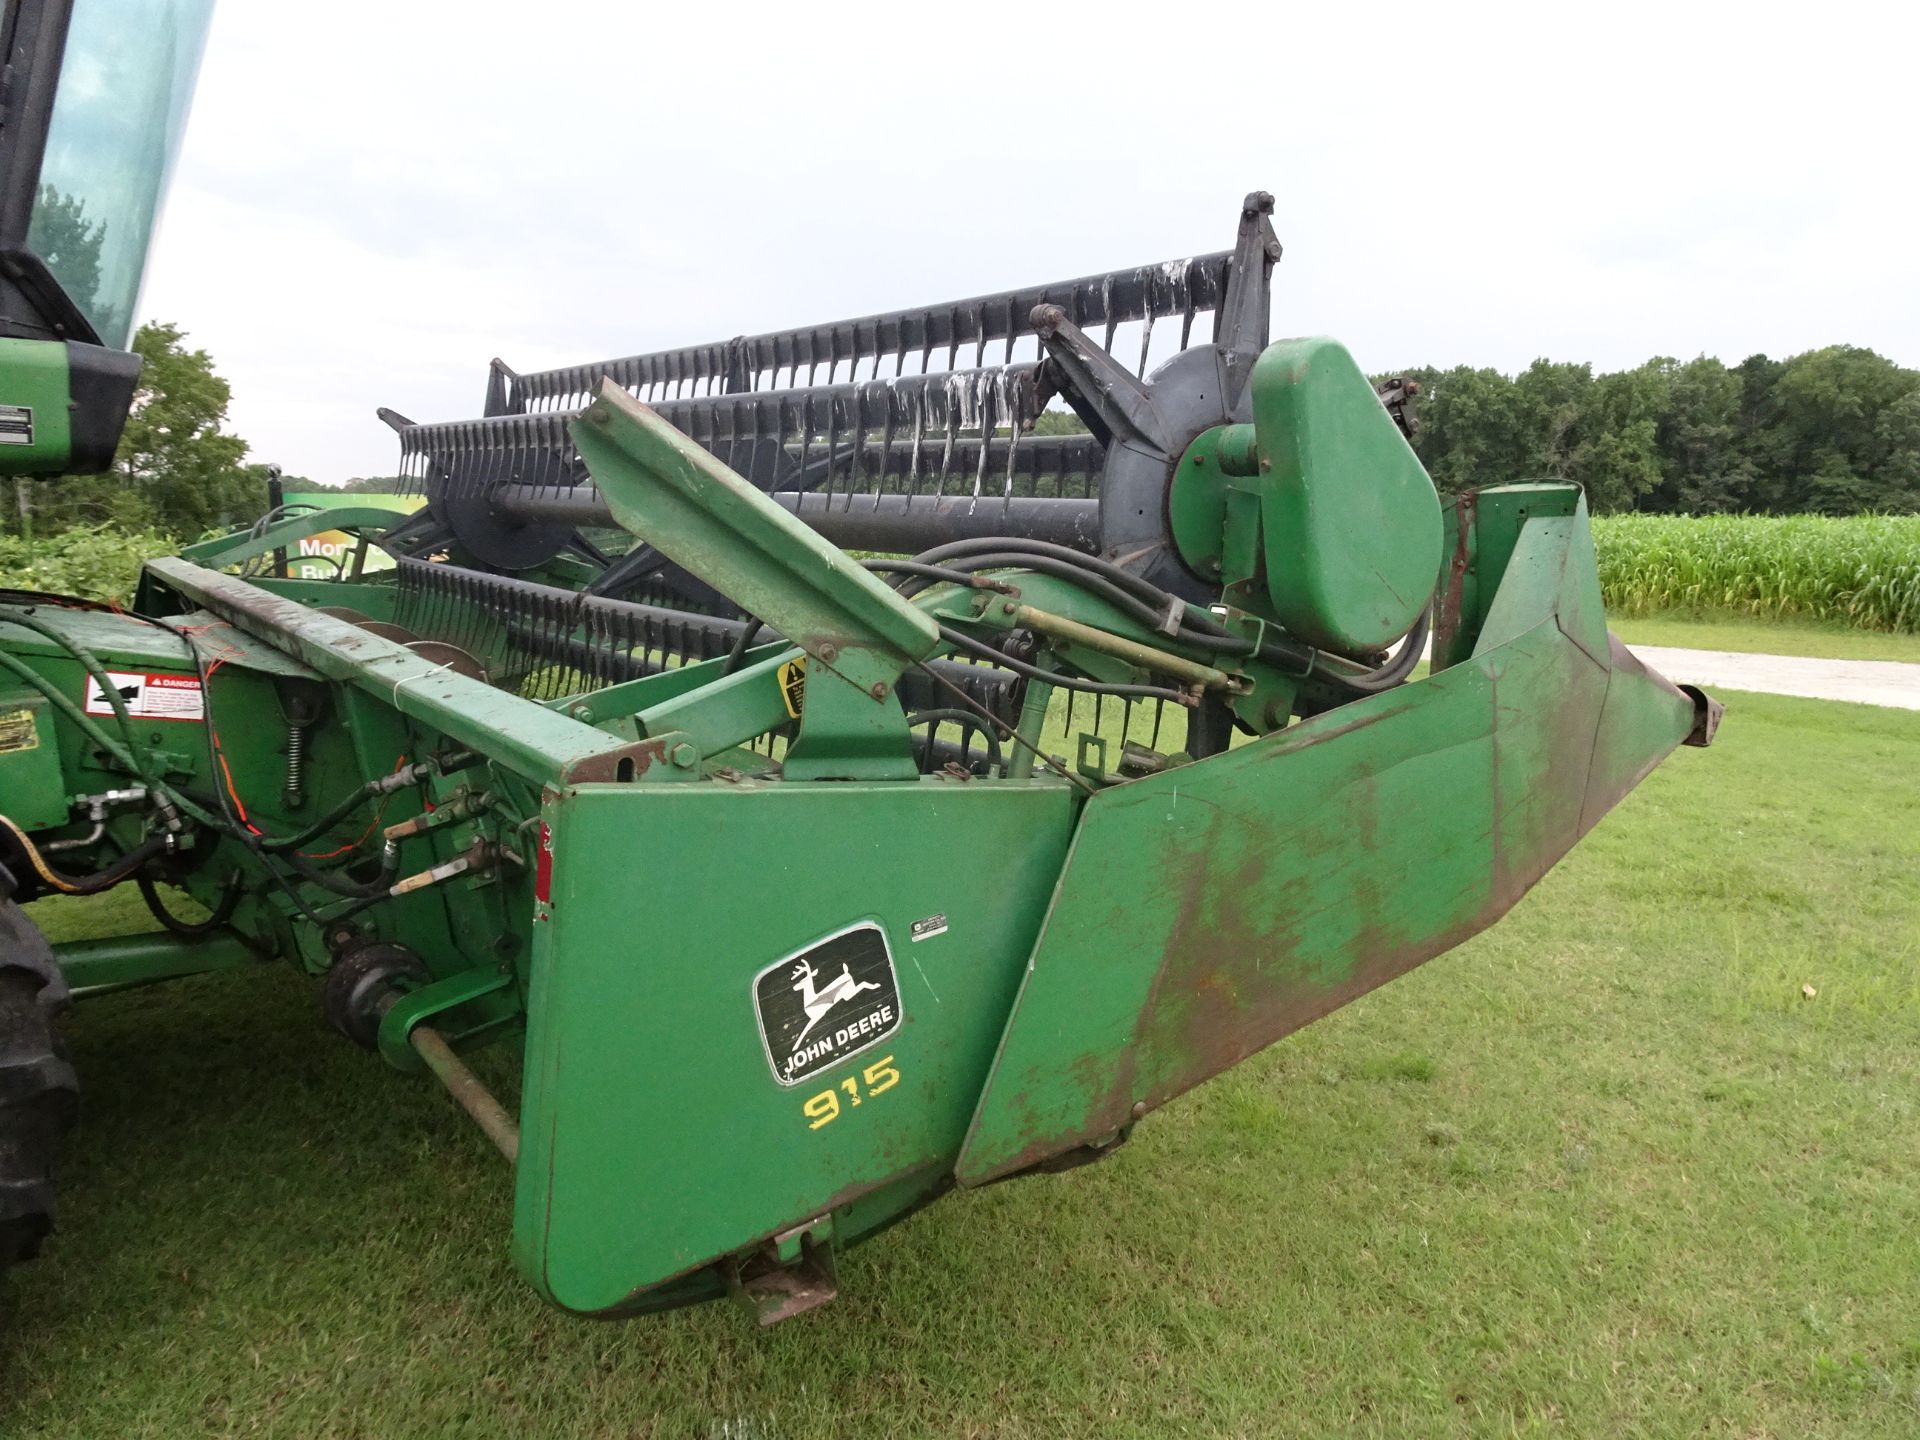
x: 813, y: 884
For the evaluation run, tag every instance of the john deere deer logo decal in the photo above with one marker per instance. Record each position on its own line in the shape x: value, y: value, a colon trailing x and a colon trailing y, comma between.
x: 806, y: 1025
x: 818, y: 1002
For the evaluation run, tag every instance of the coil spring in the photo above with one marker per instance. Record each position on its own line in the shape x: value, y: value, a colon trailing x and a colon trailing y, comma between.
x: 294, y: 791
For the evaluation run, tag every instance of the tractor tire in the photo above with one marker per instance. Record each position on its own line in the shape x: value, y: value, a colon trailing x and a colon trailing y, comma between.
x: 39, y: 1094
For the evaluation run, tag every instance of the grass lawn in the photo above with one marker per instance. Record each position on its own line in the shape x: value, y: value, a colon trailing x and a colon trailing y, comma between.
x: 1605, y: 1171
x: 1699, y: 630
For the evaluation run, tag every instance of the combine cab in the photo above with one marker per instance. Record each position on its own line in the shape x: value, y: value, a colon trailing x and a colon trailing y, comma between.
x: 1101, y: 760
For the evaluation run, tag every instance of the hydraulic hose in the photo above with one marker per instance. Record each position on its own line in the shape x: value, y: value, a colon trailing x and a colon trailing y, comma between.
x: 1150, y: 605
x: 148, y: 849
x: 190, y: 929
x: 327, y: 880
x: 1401, y: 665
x: 922, y: 571
x: 736, y: 656
x: 352, y: 802
x: 966, y: 720
x: 128, y: 754
x: 266, y: 847
x: 961, y: 641
x: 1142, y: 588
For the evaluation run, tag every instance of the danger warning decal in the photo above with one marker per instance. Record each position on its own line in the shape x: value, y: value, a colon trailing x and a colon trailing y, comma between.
x: 150, y: 697
x: 828, y: 1002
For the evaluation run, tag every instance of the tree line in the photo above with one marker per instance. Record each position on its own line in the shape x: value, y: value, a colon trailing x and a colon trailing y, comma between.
x: 1832, y: 431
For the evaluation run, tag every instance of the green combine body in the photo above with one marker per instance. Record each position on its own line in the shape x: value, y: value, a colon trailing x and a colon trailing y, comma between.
x: 809, y: 886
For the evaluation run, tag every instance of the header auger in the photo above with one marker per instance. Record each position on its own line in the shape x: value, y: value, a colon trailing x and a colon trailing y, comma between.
x: 1113, y: 767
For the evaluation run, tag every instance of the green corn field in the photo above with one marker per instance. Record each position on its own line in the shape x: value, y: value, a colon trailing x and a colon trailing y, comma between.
x: 1862, y: 570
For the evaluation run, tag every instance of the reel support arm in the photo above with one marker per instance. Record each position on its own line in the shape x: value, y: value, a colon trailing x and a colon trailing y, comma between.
x: 695, y: 510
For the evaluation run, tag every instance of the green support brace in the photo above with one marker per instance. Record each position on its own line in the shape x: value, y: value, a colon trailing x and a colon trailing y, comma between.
x: 95, y: 967
x: 702, y: 516
x: 226, y: 550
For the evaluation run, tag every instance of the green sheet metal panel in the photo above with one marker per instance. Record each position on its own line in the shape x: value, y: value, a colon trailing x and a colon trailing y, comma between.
x: 1351, y: 521
x: 33, y: 791
x: 656, y: 1135
x: 1210, y: 910
x: 35, y: 407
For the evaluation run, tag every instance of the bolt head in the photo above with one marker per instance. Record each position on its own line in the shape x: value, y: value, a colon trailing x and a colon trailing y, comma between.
x: 878, y: 690
x: 828, y: 651
x: 683, y: 756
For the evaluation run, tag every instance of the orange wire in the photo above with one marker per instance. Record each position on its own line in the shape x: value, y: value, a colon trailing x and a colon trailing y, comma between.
x: 378, y: 815
x: 237, y: 804
x: 226, y: 772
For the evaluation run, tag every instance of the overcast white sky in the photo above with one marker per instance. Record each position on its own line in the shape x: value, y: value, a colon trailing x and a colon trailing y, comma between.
x: 374, y: 198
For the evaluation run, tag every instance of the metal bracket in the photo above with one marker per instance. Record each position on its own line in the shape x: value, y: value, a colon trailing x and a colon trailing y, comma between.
x: 432, y: 1001
x: 789, y: 1275
x: 1092, y: 759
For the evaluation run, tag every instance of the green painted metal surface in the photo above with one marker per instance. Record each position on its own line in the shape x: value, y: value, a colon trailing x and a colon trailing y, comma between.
x: 765, y: 1016
x: 98, y: 967
x: 227, y: 550
x: 36, y: 428
x: 1205, y: 912
x: 1214, y: 512
x: 1317, y: 514
x: 32, y: 781
x: 692, y: 508
x: 532, y: 740
x: 656, y: 1133
x: 857, y: 633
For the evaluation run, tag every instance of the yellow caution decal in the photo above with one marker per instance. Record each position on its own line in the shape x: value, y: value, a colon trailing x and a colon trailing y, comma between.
x: 793, y: 684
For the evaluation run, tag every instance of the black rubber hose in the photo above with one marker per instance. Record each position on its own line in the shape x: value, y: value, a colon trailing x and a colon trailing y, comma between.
x: 10, y: 596
x: 1106, y: 580
x: 1400, y: 666
x: 1139, y: 610
x: 195, y: 929
x: 1137, y: 598
x: 100, y: 880
x: 327, y: 880
x: 260, y: 844
x: 961, y: 641
x: 919, y: 570
x: 1064, y: 570
x: 130, y: 754
x: 238, y: 828
x: 743, y: 642
x: 325, y: 823
x: 1142, y: 588
x: 968, y: 722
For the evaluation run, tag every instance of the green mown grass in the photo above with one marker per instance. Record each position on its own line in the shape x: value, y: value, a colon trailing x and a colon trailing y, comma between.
x: 1707, y: 630
x: 1604, y: 1171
